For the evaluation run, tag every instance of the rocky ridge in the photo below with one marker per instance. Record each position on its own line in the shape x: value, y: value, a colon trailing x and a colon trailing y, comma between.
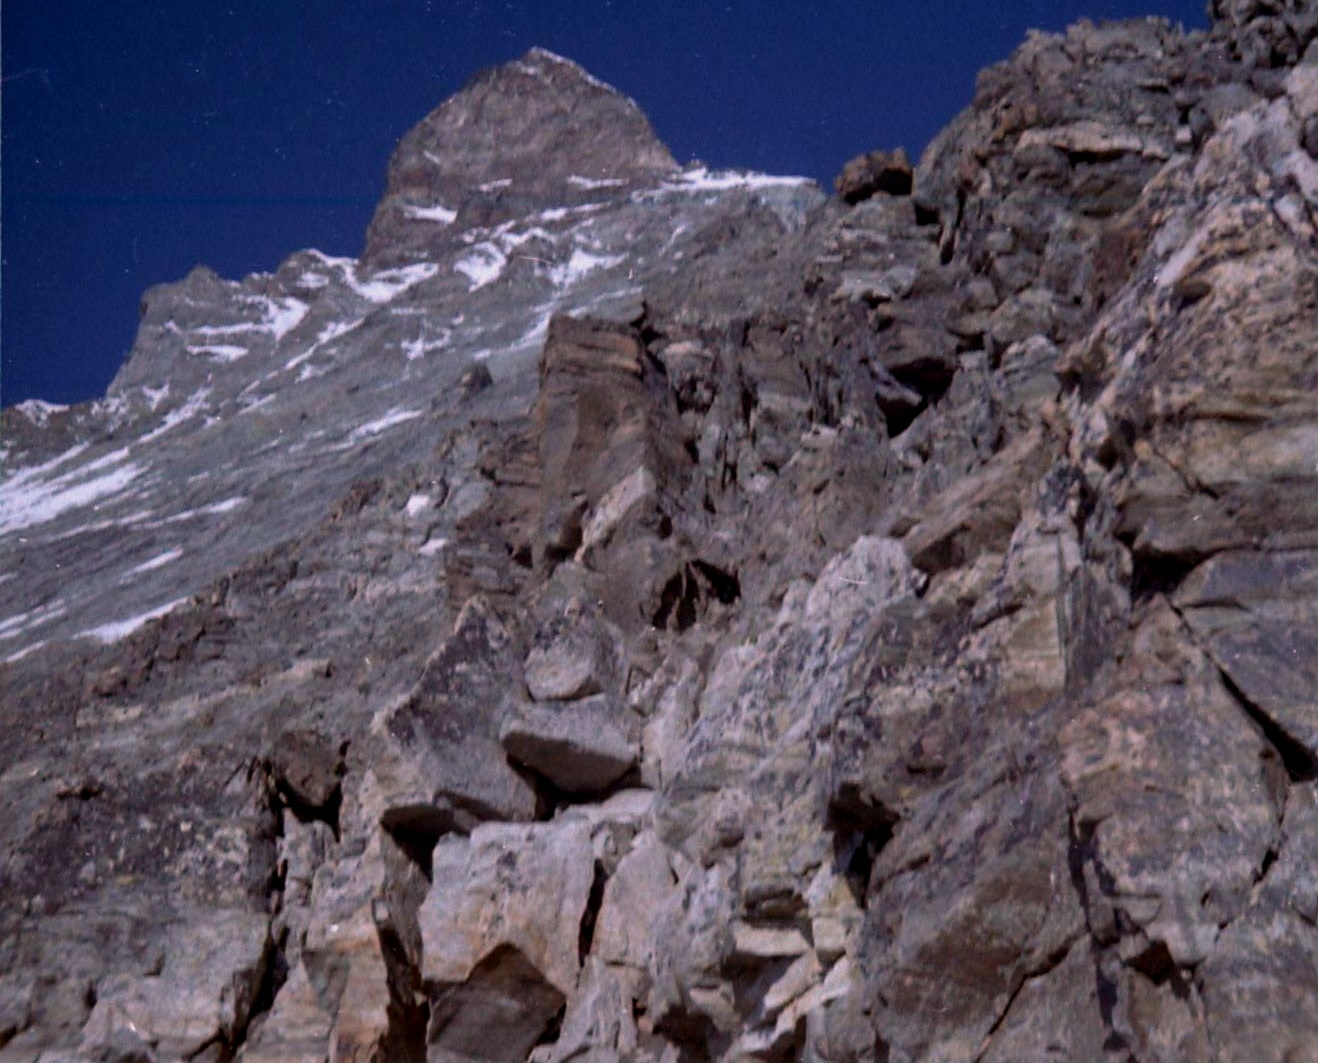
x: 652, y: 614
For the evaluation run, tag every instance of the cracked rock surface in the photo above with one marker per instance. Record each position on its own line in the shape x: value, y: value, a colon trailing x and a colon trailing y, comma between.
x: 641, y: 613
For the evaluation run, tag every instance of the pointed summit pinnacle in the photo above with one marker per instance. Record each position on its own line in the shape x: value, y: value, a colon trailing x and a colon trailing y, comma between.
x: 538, y: 131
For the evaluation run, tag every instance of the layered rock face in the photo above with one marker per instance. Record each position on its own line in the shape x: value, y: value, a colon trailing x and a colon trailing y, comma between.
x: 652, y: 614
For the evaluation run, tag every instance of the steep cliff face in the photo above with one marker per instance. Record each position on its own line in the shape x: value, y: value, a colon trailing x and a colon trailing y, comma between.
x: 652, y: 614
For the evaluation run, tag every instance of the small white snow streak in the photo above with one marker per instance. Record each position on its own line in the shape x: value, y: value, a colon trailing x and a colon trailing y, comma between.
x: 436, y: 213
x: 29, y: 499
x: 579, y: 265
x: 388, y: 284
x: 416, y: 349
x: 559, y: 213
x: 159, y: 561
x: 38, y: 411
x: 25, y: 651
x: 704, y: 180
x: 487, y: 260
x: 14, y: 625
x: 117, y: 629
x: 256, y: 404
x: 113, y: 408
x: 196, y: 404
x: 222, y: 352
x: 284, y: 315
x: 588, y: 182
x: 222, y: 330
x: 225, y: 506
x: 395, y: 416
x: 418, y: 504
x: 545, y: 55
x: 328, y: 334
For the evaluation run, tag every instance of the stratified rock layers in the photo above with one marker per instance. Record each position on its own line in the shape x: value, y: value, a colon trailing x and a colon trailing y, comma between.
x: 870, y: 629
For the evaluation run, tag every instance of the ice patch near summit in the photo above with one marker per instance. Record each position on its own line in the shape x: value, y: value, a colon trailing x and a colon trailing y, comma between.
x: 38, y: 411
x: 437, y: 213
x: 483, y: 265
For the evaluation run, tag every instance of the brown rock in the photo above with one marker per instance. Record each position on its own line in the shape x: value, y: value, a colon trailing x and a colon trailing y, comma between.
x: 866, y: 175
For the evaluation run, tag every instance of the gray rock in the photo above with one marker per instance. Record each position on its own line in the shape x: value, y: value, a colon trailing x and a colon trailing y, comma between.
x: 941, y: 562
x: 540, y: 876
x: 580, y: 746
x: 571, y: 660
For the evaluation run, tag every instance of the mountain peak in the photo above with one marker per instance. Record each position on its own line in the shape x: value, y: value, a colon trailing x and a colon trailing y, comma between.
x: 536, y: 130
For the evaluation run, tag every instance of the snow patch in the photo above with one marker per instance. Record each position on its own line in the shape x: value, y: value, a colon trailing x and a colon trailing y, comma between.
x: 159, y: 561
x: 265, y: 400
x: 388, y: 284
x: 113, y: 408
x: 489, y: 186
x: 25, y: 651
x: 27, y: 499
x: 436, y: 213
x: 328, y: 334
x: 126, y: 521
x: 539, y: 328
x: 397, y: 415
x: 223, y: 330
x: 702, y: 179
x: 417, y: 349
x: 559, y: 213
x: 483, y: 265
x: 118, y: 629
x: 38, y: 411
x: 225, y: 506
x: 539, y: 56
x: 579, y: 265
x: 487, y: 260
x: 14, y: 625
x: 284, y: 315
x: 196, y: 404
x: 417, y: 504
x: 589, y: 182
x: 222, y: 352
x: 335, y: 262
x: 432, y: 546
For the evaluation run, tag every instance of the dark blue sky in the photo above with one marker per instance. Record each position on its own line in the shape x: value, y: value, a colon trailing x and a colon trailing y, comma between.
x: 142, y: 137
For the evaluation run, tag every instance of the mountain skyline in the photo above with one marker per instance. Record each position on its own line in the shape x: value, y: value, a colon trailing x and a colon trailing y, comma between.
x: 141, y: 141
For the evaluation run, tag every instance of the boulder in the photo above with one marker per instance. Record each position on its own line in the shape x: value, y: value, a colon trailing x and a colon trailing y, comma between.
x: 866, y: 175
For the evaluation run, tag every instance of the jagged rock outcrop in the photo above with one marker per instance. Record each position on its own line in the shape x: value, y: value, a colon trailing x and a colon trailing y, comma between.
x: 667, y: 615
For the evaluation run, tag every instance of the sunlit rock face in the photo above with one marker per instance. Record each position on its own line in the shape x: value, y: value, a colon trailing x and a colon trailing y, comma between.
x: 538, y: 132
x: 642, y: 613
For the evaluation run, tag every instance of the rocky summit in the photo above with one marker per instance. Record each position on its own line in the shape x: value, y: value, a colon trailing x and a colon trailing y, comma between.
x: 647, y: 613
